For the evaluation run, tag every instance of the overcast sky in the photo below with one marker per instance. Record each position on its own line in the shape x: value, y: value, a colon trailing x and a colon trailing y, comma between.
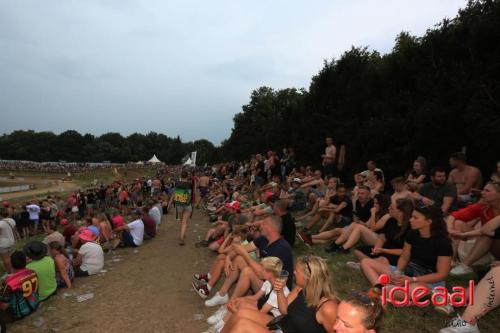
x: 177, y: 67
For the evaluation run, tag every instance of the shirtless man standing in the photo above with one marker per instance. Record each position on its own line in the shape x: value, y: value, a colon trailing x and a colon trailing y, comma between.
x: 465, y: 177
x: 203, y: 185
x: 329, y: 158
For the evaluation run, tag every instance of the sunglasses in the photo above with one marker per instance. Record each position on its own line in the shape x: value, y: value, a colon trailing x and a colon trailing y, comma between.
x: 362, y: 297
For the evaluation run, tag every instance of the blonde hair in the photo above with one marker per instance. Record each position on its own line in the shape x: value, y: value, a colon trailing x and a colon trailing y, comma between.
x: 272, y: 264
x: 318, y: 280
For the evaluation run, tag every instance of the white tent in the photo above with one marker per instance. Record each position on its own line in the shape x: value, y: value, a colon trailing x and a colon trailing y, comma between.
x: 140, y: 163
x: 188, y: 162
x: 154, y: 159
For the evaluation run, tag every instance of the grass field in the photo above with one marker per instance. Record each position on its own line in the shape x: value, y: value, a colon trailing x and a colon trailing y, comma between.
x: 397, y: 320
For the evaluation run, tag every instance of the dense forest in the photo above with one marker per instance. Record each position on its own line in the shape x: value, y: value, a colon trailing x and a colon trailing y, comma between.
x: 430, y: 96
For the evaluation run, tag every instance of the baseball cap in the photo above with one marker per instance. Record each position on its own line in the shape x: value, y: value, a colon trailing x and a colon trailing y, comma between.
x: 87, y: 235
x: 95, y: 230
x: 234, y: 205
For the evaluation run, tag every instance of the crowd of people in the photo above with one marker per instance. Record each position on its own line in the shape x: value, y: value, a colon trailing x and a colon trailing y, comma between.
x: 54, y: 167
x: 411, y: 228
x: 418, y: 229
x: 77, y: 232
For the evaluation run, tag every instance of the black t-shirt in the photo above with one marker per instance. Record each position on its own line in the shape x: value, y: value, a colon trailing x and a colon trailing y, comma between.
x: 262, y: 172
x: 425, y: 251
x: 347, y: 210
x: 391, y: 231
x: 363, y: 212
x: 288, y: 229
x: 280, y: 249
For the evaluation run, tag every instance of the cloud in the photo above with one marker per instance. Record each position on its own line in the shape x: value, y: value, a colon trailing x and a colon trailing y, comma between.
x: 178, y: 67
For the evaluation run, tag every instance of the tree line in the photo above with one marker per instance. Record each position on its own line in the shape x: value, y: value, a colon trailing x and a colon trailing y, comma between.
x: 431, y: 95
x: 71, y: 146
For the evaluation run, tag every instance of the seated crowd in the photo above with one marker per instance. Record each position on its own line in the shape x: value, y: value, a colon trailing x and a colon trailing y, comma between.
x: 412, y: 233
x: 75, y: 240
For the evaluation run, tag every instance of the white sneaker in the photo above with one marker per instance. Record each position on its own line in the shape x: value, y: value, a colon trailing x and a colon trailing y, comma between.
x: 461, y: 270
x: 219, y: 326
x: 458, y: 325
x: 217, y: 300
x: 217, y: 316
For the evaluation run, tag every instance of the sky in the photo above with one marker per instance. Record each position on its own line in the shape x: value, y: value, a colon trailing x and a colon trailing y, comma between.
x: 178, y: 67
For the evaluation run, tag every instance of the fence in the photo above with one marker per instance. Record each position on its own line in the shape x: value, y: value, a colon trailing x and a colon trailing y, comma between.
x: 18, y: 188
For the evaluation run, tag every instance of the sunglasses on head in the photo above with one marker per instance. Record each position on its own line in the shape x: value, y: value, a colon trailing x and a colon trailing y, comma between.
x: 362, y: 297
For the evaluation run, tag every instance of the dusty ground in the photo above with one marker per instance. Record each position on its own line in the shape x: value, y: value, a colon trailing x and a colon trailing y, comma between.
x: 148, y: 291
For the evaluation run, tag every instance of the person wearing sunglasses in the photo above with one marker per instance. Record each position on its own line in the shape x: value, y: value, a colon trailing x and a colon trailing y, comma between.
x: 360, y: 312
x: 311, y: 307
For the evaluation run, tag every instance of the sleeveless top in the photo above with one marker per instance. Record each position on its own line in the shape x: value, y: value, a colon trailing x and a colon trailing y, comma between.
x: 69, y: 269
x: 301, y: 318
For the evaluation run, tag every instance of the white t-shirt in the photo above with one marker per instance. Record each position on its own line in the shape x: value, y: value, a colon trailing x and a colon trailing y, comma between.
x: 7, y: 238
x: 34, y: 211
x: 273, y: 297
x: 137, y: 231
x: 154, y: 212
x: 92, y: 257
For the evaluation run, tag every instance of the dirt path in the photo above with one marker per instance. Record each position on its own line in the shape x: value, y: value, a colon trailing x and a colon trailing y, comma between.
x: 148, y: 290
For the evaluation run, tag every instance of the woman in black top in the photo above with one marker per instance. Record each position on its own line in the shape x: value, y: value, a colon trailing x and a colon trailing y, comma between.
x: 426, y: 257
x: 311, y: 307
x: 389, y: 244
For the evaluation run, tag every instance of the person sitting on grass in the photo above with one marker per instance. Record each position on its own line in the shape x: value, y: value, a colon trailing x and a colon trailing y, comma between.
x: 400, y: 189
x: 426, y: 257
x: 486, y: 299
x: 149, y: 224
x: 389, y: 244
x: 215, y: 236
x: 362, y: 214
x: 239, y: 235
x: 53, y: 235
x: 360, y: 312
x: 365, y: 231
x: 337, y: 211
x: 322, y: 201
x: 44, y: 268
x: 19, y: 290
x: 417, y: 176
x: 264, y: 301
x: 460, y: 225
x: 64, y: 266
x: 241, y: 268
x: 132, y: 234
x: 311, y: 307
x: 90, y: 257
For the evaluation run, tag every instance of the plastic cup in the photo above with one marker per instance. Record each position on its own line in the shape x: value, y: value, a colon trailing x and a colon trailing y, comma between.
x: 283, y: 276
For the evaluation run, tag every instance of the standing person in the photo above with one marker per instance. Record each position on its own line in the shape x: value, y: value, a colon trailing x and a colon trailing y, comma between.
x: 7, y: 238
x: 204, y: 186
x: 183, y: 200
x: 465, y: 177
x: 34, y: 211
x: 329, y: 158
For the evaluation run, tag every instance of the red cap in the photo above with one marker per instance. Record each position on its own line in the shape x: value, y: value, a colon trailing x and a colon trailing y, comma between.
x: 5, y: 204
x: 234, y: 205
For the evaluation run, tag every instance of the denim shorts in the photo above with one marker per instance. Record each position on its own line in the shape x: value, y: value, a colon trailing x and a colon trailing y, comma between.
x: 431, y: 285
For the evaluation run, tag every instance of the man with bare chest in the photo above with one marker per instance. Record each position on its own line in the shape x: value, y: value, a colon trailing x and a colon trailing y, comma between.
x: 466, y: 177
